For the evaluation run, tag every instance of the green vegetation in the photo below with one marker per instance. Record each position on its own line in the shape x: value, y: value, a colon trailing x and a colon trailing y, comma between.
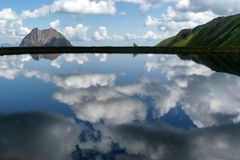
x: 220, y: 32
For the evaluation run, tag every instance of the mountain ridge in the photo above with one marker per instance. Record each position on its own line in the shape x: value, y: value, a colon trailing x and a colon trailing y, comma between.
x: 44, y: 38
x: 220, y: 32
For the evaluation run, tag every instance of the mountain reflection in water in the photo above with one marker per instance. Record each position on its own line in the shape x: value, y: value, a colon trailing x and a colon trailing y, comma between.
x: 118, y: 107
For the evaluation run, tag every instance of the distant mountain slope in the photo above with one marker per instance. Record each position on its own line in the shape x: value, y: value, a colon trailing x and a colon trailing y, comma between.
x: 44, y: 38
x: 220, y: 32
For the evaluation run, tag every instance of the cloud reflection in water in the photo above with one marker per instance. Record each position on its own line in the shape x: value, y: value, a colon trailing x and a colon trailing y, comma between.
x: 27, y: 136
x: 119, y: 112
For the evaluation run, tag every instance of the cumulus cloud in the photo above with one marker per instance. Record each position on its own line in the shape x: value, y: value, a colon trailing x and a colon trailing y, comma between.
x: 162, y: 142
x: 173, y: 20
x: 8, y: 14
x: 101, y: 34
x: 82, y: 101
x: 151, y: 21
x: 9, y: 73
x: 73, y: 7
x: 181, y: 15
x: 55, y: 24
x: 73, y: 58
x: 55, y: 63
x: 84, y: 6
x: 74, y: 81
x: 13, y: 61
x: 193, y: 86
x: 172, y: 66
x: 11, y: 26
x: 183, y: 4
x: 102, y: 57
x: 205, y: 99
x: 80, y: 59
x: 40, y: 12
x: 10, y: 66
x: 79, y: 32
x: 148, y: 36
x: 200, y: 91
x: 112, y: 111
x: 218, y: 7
x: 144, y: 4
x: 39, y: 135
x: 113, y: 107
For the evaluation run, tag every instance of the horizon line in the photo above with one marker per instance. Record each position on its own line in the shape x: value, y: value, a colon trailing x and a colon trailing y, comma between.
x: 119, y: 50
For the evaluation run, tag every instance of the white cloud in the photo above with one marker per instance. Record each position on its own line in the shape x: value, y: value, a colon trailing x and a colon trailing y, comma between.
x: 205, y: 98
x: 151, y: 21
x: 8, y: 14
x: 132, y: 36
x: 102, y: 57
x: 9, y: 73
x: 53, y: 137
x: 183, y: 4
x: 122, y: 13
x: 73, y: 58
x: 78, y: 58
x: 149, y: 35
x: 200, y: 91
x: 55, y: 63
x: 112, y: 111
x: 160, y: 142
x: 11, y: 26
x: 218, y: 7
x: 113, y: 107
x: 55, y: 24
x: 117, y: 37
x: 74, y: 81
x: 40, y: 12
x: 101, y: 34
x: 188, y: 16
x: 84, y: 6
x: 79, y: 32
x: 172, y: 66
x: 73, y: 7
x: 174, y: 20
x: 144, y: 4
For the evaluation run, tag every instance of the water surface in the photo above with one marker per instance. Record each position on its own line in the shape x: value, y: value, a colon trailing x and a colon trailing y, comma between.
x: 117, y: 107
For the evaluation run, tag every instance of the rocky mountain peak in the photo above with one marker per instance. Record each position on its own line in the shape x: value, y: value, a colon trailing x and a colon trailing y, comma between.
x: 44, y: 38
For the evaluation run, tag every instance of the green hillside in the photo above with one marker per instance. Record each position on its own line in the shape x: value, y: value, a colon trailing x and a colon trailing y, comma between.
x: 220, y: 32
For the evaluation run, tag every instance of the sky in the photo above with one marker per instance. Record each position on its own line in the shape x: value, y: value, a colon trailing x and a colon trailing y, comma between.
x: 109, y: 22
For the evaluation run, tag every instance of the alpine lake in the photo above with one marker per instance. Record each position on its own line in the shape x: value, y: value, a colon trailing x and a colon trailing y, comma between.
x: 119, y: 107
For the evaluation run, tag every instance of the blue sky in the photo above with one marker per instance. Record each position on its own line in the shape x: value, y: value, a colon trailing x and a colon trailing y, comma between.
x: 109, y: 22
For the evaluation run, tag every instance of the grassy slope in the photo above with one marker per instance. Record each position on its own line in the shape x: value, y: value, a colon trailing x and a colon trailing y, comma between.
x: 222, y: 32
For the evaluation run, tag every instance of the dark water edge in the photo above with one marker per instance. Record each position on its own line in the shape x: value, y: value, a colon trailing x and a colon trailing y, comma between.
x: 219, y: 63
x: 119, y: 49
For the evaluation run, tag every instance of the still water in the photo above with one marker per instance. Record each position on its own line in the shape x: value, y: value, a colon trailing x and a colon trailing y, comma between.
x: 117, y: 107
